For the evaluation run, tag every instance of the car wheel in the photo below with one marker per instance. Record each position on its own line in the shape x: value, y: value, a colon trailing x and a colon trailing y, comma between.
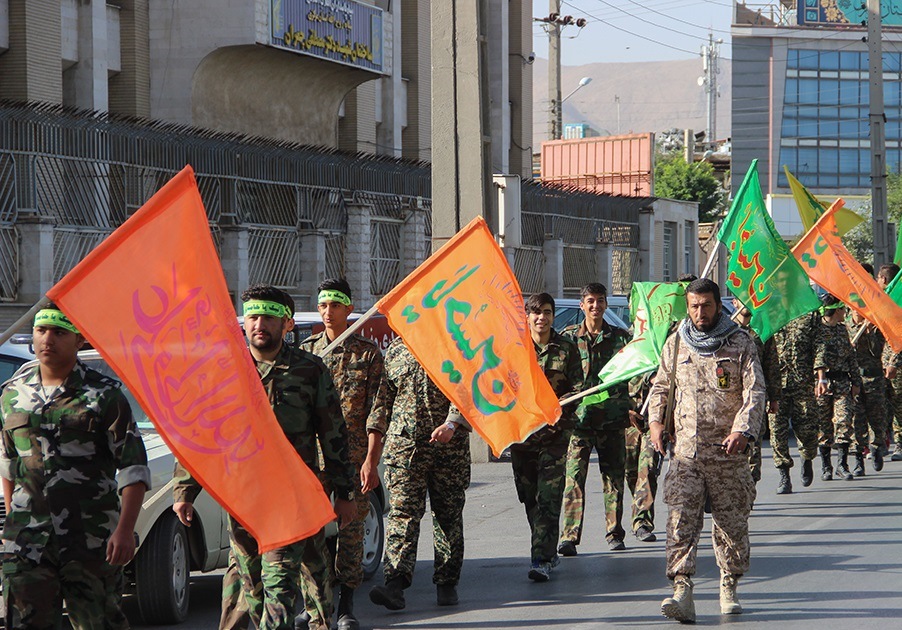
x: 373, y: 537
x: 162, y: 573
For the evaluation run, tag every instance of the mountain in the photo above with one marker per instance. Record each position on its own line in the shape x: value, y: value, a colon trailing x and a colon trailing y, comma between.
x: 654, y: 96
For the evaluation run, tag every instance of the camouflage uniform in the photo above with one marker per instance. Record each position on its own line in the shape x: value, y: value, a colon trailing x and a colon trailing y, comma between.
x: 708, y: 408
x: 641, y: 475
x: 356, y: 367
x: 770, y: 366
x: 62, y: 451
x: 307, y: 408
x: 600, y: 427
x: 539, y: 462
x: 870, y: 408
x: 833, y: 351
x: 409, y: 407
x: 797, y: 413
x: 894, y: 393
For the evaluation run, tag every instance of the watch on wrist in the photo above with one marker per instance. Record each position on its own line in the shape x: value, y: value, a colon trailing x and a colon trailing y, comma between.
x: 748, y: 436
x: 451, y: 425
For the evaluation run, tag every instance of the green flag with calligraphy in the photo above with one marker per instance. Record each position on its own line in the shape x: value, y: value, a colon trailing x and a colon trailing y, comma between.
x: 894, y: 289
x: 654, y: 306
x: 762, y: 273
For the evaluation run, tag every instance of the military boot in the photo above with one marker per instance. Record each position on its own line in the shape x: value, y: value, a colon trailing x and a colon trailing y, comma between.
x: 391, y: 595
x: 681, y: 606
x: 785, y: 485
x: 826, y: 463
x: 842, y: 467
x: 807, y: 472
x: 858, y: 468
x: 877, y: 462
x: 346, y: 618
x: 729, y: 601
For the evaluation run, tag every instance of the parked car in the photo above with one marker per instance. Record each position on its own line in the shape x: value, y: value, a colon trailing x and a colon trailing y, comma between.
x: 13, y: 354
x: 567, y: 312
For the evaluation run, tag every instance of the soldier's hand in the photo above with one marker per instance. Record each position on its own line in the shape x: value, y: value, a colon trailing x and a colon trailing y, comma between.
x: 773, y: 406
x: 821, y: 388
x: 185, y: 511
x: 442, y: 434
x: 369, y: 476
x: 855, y: 390
x: 346, y: 512
x: 891, y: 372
x: 636, y: 420
x: 656, y: 436
x: 735, y: 443
x: 121, y: 547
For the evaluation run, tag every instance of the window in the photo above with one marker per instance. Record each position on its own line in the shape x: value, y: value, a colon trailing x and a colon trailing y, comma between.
x: 690, y: 243
x: 669, y: 258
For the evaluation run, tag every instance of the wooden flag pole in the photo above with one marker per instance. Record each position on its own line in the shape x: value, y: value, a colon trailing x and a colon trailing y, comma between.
x: 860, y: 332
x: 711, y: 258
x: 351, y: 329
x: 26, y: 318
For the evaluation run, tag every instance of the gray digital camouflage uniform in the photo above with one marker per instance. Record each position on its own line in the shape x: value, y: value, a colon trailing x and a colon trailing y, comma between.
x: 539, y: 462
x: 600, y: 427
x: 833, y: 352
x: 62, y: 454
x: 870, y: 408
x: 715, y: 395
x: 894, y: 393
x: 307, y: 408
x: 409, y: 407
x: 797, y: 413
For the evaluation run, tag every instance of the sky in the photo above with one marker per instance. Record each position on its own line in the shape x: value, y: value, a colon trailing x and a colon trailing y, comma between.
x: 636, y: 30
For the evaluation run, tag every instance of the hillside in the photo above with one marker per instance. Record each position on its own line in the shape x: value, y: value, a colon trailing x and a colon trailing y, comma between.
x: 653, y: 97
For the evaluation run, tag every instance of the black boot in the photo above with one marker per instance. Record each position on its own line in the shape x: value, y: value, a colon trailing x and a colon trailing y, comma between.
x: 877, y: 452
x: 785, y: 485
x: 842, y: 468
x: 446, y: 595
x: 346, y: 618
x: 826, y: 463
x: 858, y: 468
x: 807, y: 472
x: 391, y: 595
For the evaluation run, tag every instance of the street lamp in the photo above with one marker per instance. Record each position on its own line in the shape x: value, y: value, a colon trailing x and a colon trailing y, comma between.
x: 557, y: 109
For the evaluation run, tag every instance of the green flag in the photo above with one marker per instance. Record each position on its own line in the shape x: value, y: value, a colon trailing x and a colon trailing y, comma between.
x: 894, y: 289
x: 898, y: 257
x: 654, y: 306
x: 762, y: 272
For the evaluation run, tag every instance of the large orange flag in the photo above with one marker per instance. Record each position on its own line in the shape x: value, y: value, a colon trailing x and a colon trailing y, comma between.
x: 462, y: 316
x: 153, y: 300
x: 827, y: 261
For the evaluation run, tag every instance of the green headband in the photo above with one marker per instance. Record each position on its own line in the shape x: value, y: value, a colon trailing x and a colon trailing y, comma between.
x: 265, y: 307
x: 831, y: 307
x: 331, y: 295
x: 54, y: 317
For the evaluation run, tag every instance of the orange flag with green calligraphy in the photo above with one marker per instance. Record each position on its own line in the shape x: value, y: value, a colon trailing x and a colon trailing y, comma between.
x: 153, y: 300
x: 462, y: 316
x: 827, y: 261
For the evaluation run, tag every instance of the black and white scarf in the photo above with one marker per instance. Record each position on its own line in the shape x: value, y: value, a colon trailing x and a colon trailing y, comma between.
x: 709, y: 342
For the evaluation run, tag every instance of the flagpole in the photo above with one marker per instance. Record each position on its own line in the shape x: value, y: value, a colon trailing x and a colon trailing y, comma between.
x: 26, y: 318
x: 711, y: 258
x: 583, y: 394
x: 350, y: 330
x: 860, y: 332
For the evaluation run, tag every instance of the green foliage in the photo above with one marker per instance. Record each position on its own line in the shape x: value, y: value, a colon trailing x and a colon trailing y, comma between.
x: 676, y: 179
x: 860, y: 241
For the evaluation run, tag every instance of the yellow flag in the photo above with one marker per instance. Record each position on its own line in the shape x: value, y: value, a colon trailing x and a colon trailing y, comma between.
x: 811, y: 208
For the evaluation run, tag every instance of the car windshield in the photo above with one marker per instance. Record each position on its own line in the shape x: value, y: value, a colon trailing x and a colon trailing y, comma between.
x: 144, y: 423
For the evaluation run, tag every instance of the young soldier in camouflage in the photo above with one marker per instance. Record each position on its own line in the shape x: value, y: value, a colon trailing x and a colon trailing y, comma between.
x: 66, y: 430
x: 870, y: 407
x: 770, y: 366
x: 838, y: 382
x: 719, y: 406
x: 356, y: 367
x: 427, y: 451
x: 307, y: 408
x: 892, y: 370
x: 600, y: 427
x: 540, y: 461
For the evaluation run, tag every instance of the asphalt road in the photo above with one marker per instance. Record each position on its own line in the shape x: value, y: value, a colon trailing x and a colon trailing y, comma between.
x: 829, y: 556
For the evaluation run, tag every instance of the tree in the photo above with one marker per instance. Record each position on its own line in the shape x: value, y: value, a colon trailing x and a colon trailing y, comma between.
x: 860, y: 241
x: 676, y: 179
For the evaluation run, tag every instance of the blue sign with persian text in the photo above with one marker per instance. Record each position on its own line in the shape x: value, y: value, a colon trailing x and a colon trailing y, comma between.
x: 342, y: 31
x: 846, y: 12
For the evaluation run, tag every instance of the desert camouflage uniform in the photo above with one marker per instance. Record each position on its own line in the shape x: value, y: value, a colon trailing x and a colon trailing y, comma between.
x: 894, y: 392
x: 833, y: 351
x: 307, y: 408
x: 62, y: 454
x: 641, y: 476
x: 708, y: 408
x: 409, y: 407
x: 600, y: 427
x: 356, y: 367
x: 539, y: 462
x: 797, y: 413
x: 870, y: 408
x: 770, y: 366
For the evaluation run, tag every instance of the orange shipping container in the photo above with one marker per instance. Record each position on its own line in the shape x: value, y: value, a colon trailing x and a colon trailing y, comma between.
x: 617, y: 165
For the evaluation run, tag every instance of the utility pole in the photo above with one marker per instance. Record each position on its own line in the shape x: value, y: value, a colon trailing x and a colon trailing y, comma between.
x: 555, y: 120
x: 710, y: 57
x: 877, y: 118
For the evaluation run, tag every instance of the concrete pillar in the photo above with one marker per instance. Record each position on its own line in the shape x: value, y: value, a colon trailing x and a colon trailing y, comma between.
x: 499, y: 84
x: 357, y: 260
x: 234, y: 255
x: 88, y: 79
x: 30, y: 69
x: 35, y: 256
x: 130, y: 87
x: 553, y: 249
x: 313, y: 266
x: 646, y: 243
x: 414, y: 247
x: 604, y: 265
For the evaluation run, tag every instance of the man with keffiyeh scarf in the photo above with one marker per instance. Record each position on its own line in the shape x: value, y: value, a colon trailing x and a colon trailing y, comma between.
x: 718, y: 406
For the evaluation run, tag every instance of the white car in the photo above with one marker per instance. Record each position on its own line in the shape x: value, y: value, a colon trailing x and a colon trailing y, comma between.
x: 168, y: 551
